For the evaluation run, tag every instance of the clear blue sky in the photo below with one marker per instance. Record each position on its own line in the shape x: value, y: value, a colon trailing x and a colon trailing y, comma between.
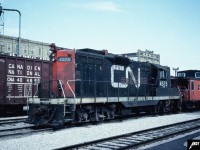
x: 170, y: 28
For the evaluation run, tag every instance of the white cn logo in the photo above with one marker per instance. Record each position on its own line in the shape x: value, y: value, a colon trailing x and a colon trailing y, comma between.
x: 128, y: 71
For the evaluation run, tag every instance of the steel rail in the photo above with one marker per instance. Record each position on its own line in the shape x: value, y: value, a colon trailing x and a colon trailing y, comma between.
x: 8, y: 121
x: 136, y: 139
x: 21, y: 131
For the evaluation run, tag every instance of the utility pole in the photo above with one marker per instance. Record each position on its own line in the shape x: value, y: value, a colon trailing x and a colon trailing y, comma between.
x: 2, y: 24
x: 19, y: 39
x: 175, y: 70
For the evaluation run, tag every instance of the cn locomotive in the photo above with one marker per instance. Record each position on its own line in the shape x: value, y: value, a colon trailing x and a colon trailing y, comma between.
x: 92, y: 85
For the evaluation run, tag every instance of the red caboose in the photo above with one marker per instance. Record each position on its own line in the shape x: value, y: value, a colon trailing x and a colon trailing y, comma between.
x: 188, y: 82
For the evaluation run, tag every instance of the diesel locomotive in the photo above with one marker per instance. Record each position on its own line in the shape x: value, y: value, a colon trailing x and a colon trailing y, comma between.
x: 93, y: 85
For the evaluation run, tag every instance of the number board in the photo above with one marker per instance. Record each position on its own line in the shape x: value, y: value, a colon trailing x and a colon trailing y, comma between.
x: 64, y: 59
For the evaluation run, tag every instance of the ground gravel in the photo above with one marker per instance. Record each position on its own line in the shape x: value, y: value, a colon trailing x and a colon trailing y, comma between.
x: 74, y: 135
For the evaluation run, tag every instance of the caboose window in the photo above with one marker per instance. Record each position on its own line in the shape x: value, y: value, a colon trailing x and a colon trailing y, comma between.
x: 192, y: 85
x: 163, y: 74
x: 197, y: 75
x: 181, y: 74
x: 198, y: 87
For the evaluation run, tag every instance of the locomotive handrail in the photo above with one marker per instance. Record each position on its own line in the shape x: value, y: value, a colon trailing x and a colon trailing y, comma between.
x: 105, y: 87
x: 97, y: 88
x: 46, y: 87
x: 70, y: 86
x: 60, y: 82
x: 179, y: 90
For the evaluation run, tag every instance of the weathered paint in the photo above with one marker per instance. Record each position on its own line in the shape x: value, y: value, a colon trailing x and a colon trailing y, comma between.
x: 194, y: 94
x: 189, y: 84
x: 64, y: 70
x: 19, y: 78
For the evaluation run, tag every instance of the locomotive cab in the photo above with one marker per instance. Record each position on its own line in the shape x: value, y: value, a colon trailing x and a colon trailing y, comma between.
x: 161, y: 81
x: 49, y: 107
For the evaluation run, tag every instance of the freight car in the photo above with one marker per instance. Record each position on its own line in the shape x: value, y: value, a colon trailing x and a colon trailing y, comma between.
x: 91, y: 85
x: 188, y: 82
x: 18, y: 81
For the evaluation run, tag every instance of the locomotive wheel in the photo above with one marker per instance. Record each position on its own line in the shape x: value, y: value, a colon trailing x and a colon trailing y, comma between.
x: 161, y: 108
x: 109, y: 114
x: 175, y: 106
x: 93, y: 117
x: 111, y: 111
x: 82, y: 115
x: 97, y: 115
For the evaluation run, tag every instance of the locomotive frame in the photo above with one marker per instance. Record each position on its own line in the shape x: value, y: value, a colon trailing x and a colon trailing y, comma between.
x: 91, y: 85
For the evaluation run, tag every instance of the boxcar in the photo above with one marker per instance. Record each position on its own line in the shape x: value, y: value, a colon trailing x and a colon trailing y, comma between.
x: 19, y: 77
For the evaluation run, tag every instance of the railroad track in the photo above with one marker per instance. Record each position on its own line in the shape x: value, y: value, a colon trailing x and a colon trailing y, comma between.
x: 12, y: 120
x: 137, y: 139
x: 21, y: 131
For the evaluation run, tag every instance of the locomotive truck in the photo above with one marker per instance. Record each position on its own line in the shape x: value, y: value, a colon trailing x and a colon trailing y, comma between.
x: 93, y: 85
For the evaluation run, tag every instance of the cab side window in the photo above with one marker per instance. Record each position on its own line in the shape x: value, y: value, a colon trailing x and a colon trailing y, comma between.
x: 163, y: 74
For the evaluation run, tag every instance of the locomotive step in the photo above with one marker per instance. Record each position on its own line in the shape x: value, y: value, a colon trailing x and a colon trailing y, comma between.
x: 68, y: 112
x: 68, y: 120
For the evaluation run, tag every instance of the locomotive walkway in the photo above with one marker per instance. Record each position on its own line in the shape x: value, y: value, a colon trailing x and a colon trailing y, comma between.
x: 136, y: 139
